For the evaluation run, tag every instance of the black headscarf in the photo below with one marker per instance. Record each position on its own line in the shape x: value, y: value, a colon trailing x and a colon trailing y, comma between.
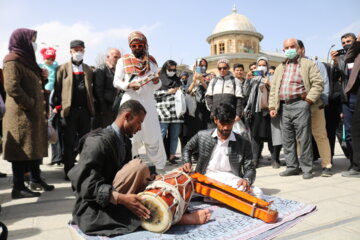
x: 169, y: 82
x: 21, y: 49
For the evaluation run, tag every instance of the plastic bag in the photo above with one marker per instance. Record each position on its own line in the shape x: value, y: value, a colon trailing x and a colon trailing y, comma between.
x: 180, y: 103
x: 240, y: 128
x: 190, y: 104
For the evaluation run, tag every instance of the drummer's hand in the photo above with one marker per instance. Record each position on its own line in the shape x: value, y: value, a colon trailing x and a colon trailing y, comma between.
x: 245, y: 184
x: 186, y: 167
x: 134, y: 204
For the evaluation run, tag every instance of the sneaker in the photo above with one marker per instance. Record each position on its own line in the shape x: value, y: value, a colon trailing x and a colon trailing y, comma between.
x: 3, y: 175
x: 326, y: 172
x: 290, y: 172
x: 25, y: 193
x: 307, y: 175
x: 351, y: 173
x: 41, y: 186
x: 173, y: 162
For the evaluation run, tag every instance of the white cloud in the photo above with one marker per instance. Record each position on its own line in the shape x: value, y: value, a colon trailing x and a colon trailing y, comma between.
x: 59, y: 35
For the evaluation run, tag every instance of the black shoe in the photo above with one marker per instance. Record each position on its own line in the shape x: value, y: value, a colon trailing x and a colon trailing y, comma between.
x: 3, y: 175
x: 173, y: 162
x: 290, y: 172
x: 40, y: 186
x: 351, y: 173
x: 66, y: 178
x: 25, y: 193
x: 326, y: 172
x: 307, y: 175
x: 275, y: 164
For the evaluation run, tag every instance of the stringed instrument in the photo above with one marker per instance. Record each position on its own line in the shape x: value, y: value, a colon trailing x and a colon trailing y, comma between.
x: 234, y: 198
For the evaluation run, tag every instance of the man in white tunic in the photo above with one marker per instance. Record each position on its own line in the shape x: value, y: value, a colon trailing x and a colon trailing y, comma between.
x: 223, y: 155
x: 136, y: 74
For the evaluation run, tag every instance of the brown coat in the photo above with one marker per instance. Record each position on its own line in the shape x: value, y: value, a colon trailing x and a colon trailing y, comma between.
x: 24, y: 123
x: 64, y: 83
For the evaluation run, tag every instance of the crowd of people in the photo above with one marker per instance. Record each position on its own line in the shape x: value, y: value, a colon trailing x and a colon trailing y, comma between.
x: 129, y: 102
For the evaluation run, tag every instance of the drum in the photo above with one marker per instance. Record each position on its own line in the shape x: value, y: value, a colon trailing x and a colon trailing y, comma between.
x: 167, y: 198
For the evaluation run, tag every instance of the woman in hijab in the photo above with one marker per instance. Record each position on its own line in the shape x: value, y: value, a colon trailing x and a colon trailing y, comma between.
x: 165, y: 105
x: 25, y: 124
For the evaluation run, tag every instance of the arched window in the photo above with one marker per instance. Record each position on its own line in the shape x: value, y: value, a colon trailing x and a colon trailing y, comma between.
x: 221, y: 48
x: 215, y: 49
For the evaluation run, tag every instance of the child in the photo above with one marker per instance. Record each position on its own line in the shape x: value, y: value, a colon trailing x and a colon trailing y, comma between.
x: 49, y: 55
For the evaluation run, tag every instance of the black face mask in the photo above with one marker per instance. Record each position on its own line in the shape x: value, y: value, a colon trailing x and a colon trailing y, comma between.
x: 138, y: 53
x: 346, y: 47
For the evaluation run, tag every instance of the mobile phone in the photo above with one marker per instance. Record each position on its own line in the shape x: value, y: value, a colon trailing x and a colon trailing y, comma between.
x: 198, y: 69
x: 341, y: 52
x: 257, y: 73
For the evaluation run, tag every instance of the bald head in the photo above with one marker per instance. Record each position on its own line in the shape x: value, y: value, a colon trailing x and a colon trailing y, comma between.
x: 291, y: 43
x: 112, y: 57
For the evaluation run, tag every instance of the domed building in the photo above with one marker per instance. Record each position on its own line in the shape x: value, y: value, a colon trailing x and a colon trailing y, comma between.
x: 236, y: 39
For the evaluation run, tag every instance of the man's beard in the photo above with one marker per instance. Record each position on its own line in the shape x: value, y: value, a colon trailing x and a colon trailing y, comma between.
x: 138, y: 53
x: 225, y: 133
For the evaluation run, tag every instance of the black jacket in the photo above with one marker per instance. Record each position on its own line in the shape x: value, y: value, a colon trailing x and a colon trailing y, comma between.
x: 104, y: 90
x: 240, y: 155
x: 102, y: 155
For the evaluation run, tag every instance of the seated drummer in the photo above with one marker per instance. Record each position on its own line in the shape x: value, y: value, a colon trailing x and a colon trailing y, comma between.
x: 222, y: 154
x: 106, y: 180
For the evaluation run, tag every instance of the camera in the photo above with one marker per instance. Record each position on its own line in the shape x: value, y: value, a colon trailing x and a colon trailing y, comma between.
x: 341, y: 52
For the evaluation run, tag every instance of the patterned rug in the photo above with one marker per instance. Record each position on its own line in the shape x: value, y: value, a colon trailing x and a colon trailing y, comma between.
x: 226, y: 224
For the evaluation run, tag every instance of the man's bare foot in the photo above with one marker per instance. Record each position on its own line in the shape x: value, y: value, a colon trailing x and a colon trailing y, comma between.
x: 195, y: 218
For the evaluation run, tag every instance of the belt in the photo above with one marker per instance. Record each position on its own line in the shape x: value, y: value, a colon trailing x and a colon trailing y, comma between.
x: 290, y: 101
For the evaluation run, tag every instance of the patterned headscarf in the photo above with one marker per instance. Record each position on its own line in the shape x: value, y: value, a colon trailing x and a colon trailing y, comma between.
x: 133, y: 65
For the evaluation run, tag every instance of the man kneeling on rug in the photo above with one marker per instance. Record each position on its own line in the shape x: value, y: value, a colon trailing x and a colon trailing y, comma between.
x: 223, y: 155
x: 106, y: 180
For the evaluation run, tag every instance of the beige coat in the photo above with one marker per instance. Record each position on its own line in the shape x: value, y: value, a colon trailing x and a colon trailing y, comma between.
x: 24, y: 123
x: 312, y: 80
x: 64, y: 81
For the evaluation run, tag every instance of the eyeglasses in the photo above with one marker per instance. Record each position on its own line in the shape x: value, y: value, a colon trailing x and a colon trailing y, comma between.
x: 140, y: 45
x: 172, y: 70
x: 222, y: 68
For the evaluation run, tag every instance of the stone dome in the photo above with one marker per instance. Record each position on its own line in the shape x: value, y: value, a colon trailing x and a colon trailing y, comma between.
x: 234, y: 22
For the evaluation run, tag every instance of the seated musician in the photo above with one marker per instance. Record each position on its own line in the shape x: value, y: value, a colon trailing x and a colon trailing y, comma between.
x: 222, y: 154
x: 106, y: 180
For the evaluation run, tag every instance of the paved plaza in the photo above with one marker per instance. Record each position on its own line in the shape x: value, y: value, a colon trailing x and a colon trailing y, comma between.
x: 337, y: 200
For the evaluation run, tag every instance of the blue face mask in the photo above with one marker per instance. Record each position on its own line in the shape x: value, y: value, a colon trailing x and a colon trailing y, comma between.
x: 291, y: 53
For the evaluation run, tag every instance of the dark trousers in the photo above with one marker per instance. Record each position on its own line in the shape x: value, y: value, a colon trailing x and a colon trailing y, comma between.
x: 296, y: 119
x: 355, y: 132
x: 76, y: 125
x: 102, y: 120
x: 348, y: 111
x: 57, y: 148
x: 20, y: 167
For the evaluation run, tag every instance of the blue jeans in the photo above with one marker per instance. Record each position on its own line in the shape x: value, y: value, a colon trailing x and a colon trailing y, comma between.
x: 348, y: 111
x: 174, y: 132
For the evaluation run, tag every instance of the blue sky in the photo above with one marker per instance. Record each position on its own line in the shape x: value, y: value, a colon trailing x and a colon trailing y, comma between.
x: 176, y: 29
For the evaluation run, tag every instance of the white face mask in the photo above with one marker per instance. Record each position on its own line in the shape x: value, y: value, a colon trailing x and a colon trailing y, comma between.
x: 262, y: 68
x: 34, y: 44
x: 170, y: 74
x: 78, y: 56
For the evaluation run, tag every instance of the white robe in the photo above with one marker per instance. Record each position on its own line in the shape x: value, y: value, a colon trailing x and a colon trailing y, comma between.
x: 150, y: 133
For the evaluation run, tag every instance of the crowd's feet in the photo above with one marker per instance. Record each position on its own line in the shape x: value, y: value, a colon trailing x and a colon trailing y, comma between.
x: 351, y: 173
x: 3, y: 175
x: 23, y: 193
x: 173, y: 160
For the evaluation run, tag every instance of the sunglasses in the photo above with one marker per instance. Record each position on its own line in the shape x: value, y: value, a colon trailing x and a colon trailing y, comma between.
x: 140, y: 45
x: 222, y: 68
x: 172, y: 70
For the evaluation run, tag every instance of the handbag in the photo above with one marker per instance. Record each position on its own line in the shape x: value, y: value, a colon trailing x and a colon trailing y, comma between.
x: 180, y: 103
x: 190, y: 104
x: 265, y: 89
x: 118, y: 97
x: 52, y: 133
x: 200, y: 95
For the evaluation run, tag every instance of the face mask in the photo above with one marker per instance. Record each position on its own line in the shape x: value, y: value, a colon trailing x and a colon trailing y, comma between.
x: 138, y: 53
x: 346, y: 47
x: 34, y: 45
x: 78, y: 56
x: 262, y: 68
x: 170, y: 74
x: 290, y: 53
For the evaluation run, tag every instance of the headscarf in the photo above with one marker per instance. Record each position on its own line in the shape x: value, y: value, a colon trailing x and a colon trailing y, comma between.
x: 21, y: 49
x: 166, y: 81
x: 133, y: 65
